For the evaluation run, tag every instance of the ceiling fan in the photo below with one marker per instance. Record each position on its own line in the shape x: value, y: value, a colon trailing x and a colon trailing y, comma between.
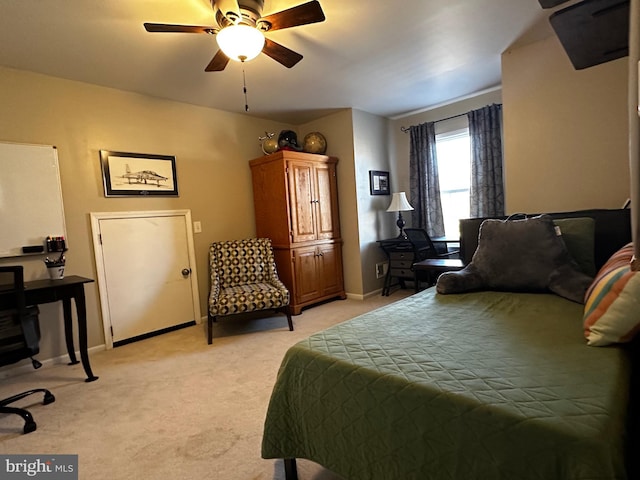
x: 241, y: 22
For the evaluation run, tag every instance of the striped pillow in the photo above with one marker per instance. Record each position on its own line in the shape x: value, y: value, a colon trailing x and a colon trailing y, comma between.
x: 612, y: 302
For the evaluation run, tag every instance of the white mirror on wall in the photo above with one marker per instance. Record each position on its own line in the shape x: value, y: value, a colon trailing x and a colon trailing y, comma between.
x: 31, y: 206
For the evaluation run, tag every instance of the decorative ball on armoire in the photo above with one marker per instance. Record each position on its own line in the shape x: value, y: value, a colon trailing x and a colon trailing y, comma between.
x: 314, y: 142
x: 269, y: 143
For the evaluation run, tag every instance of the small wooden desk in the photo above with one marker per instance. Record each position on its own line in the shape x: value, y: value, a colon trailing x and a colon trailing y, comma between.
x: 48, y: 291
x: 435, y: 265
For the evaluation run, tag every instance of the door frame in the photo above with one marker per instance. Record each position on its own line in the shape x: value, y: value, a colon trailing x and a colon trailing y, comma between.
x: 101, y: 273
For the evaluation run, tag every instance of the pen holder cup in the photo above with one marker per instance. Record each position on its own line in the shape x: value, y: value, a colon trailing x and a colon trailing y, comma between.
x: 56, y: 272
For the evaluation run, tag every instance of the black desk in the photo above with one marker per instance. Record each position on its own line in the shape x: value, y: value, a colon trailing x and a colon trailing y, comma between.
x: 48, y: 291
x: 433, y: 267
x: 400, y: 256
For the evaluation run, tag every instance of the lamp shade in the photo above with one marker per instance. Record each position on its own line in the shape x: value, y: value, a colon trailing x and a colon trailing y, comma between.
x: 399, y: 203
x: 240, y: 42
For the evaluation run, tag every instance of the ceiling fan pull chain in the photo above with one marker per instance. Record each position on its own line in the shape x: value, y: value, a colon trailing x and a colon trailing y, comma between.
x: 244, y: 89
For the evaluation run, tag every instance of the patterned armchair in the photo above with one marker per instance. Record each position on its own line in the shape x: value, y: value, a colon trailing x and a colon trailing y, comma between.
x: 244, y: 279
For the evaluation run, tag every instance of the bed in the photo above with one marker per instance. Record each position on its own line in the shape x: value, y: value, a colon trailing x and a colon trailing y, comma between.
x: 483, y: 385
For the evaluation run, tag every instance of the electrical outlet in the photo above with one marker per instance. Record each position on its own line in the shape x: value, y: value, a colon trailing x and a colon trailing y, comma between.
x: 381, y: 269
x: 197, y: 227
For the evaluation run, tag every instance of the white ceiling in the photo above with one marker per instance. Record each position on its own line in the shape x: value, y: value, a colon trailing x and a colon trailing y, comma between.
x: 385, y: 57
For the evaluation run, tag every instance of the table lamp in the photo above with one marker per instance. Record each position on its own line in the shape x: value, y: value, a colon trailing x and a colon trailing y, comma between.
x: 400, y: 204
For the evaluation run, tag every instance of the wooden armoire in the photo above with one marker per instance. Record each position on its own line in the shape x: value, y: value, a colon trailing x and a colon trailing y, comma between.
x: 296, y: 205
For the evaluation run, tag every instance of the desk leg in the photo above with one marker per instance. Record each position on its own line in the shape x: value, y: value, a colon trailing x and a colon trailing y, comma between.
x: 68, y: 330
x: 387, y: 284
x: 81, y: 310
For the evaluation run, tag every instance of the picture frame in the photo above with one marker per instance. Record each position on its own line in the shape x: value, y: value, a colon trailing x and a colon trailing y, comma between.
x: 138, y: 174
x: 379, y: 182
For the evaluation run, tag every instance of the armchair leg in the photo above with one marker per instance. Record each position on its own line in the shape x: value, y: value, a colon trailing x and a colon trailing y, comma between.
x: 287, y: 311
x: 210, y: 319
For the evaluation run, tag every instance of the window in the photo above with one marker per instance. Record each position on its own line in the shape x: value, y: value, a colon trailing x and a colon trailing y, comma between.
x: 454, y: 169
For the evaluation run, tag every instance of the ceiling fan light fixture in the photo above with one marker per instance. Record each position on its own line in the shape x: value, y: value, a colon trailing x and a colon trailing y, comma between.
x: 240, y: 42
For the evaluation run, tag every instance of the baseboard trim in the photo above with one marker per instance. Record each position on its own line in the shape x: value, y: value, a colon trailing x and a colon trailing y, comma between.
x: 144, y: 336
x: 359, y: 296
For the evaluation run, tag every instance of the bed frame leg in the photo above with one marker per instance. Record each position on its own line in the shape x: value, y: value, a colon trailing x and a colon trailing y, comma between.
x: 290, y: 470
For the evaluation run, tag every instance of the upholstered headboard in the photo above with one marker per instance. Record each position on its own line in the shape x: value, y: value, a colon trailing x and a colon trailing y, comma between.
x: 612, y: 231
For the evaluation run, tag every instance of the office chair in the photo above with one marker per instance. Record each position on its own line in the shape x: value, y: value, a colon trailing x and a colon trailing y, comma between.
x: 424, y: 247
x: 19, y: 337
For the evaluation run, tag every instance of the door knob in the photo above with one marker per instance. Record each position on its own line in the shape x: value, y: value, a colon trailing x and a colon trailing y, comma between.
x: 186, y: 272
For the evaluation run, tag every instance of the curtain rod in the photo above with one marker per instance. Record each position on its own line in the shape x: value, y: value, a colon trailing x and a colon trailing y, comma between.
x: 406, y: 129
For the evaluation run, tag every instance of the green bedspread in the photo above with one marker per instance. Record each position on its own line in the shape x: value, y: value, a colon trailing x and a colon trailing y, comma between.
x: 483, y: 386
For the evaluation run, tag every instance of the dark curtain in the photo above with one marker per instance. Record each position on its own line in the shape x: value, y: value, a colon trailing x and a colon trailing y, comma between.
x: 424, y: 183
x: 487, y: 186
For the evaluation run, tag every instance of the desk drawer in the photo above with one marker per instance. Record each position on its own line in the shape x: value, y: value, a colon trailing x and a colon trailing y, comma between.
x: 401, y: 272
x: 406, y: 264
x: 408, y: 256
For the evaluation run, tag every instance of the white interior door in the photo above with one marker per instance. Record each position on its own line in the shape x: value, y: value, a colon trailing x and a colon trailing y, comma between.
x: 148, y: 273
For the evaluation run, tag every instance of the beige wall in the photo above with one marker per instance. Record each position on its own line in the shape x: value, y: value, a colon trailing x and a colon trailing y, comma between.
x: 212, y: 150
x: 374, y: 223
x: 565, y: 131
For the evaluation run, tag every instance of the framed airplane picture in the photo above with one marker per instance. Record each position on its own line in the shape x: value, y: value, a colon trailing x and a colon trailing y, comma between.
x: 138, y: 174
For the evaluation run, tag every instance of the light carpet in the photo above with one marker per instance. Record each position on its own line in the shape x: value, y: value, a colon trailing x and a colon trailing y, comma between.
x: 172, y: 406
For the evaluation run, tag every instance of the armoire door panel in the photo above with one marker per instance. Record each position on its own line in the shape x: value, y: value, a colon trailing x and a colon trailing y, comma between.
x: 325, y: 214
x: 308, y: 283
x: 301, y: 202
x: 331, y: 268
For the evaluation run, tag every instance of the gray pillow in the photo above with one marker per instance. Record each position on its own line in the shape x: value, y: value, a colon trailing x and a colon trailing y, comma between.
x: 579, y: 237
x: 519, y: 255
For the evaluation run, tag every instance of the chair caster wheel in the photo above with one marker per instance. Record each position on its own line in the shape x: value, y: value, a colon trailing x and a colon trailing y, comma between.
x: 29, y: 427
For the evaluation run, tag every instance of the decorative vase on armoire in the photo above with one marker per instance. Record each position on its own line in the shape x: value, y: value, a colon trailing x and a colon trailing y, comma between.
x: 295, y: 196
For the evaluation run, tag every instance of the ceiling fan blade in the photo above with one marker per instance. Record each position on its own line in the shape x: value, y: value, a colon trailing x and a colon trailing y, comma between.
x: 310, y: 12
x: 217, y: 63
x: 281, y: 54
x: 164, y: 27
